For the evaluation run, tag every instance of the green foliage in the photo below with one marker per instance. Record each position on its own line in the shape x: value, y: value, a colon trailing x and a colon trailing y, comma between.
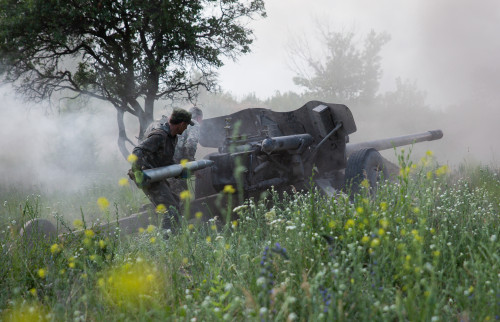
x: 424, y: 248
x: 123, y: 52
x: 347, y: 73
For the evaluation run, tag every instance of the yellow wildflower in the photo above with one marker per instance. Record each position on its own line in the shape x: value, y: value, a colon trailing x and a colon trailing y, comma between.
x: 442, y: 170
x: 55, y: 248
x: 190, y: 226
x: 185, y: 195
x: 152, y: 240
x: 360, y: 210
x: 349, y: 224
x: 381, y: 232
x: 131, y: 284
x: 208, y: 239
x: 161, y: 209
x: 87, y: 242
x: 384, y: 223
x: 89, y: 233
x: 102, y: 244
x: 213, y: 227
x: 383, y: 206
x: 123, y: 182
x: 332, y: 224
x: 198, y: 215
x: 33, y: 291
x: 141, y: 230
x: 184, y: 162
x: 365, y: 183
x: 78, y: 224
x: 71, y: 262
x: 365, y: 239
x: 375, y: 242
x: 185, y: 261
x: 103, y: 203
x: 235, y: 223
x: 229, y: 189
x: 42, y: 273
x: 227, y: 246
x: 403, y: 172
x: 151, y: 228
x: 436, y: 253
x: 132, y: 158
x: 26, y: 311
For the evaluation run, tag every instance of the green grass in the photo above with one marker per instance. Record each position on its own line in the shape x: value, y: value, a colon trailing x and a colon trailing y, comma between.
x: 425, y: 248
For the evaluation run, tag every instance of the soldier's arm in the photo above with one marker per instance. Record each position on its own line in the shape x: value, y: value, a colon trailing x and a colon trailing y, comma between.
x: 145, y: 150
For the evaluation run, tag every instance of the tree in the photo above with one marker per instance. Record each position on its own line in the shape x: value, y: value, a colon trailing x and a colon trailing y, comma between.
x: 406, y: 96
x: 130, y: 53
x: 345, y: 73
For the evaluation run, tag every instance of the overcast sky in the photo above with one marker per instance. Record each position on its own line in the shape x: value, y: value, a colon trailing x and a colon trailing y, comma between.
x: 450, y: 47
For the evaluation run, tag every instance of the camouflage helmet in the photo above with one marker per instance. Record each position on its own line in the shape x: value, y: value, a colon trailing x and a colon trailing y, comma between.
x: 180, y: 115
x: 196, y: 112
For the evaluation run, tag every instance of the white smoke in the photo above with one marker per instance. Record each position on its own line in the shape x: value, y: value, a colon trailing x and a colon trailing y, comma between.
x: 55, y: 151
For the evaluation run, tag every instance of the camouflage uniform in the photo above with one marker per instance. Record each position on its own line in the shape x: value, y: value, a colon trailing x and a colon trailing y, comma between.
x: 157, y: 150
x: 185, y: 149
x: 187, y: 143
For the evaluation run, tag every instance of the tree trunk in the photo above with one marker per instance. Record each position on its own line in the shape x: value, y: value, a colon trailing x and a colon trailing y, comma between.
x: 122, y: 135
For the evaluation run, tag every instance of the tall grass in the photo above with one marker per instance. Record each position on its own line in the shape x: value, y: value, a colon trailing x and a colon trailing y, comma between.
x: 425, y: 247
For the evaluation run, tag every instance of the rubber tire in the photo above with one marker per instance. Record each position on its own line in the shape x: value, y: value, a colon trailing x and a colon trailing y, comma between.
x: 367, y: 164
x: 38, y: 230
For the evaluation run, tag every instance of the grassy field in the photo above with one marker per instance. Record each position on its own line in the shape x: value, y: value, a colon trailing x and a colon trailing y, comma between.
x: 425, y: 248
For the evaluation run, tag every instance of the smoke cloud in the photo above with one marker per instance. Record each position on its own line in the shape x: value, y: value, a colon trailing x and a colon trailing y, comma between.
x: 47, y: 150
x: 450, y: 47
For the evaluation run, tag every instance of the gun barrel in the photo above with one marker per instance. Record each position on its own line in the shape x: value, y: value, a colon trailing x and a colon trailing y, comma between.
x: 174, y: 170
x: 390, y: 143
x: 289, y: 142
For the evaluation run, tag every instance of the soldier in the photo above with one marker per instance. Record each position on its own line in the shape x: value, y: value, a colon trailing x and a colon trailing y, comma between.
x: 157, y: 150
x: 186, y: 148
x: 188, y: 141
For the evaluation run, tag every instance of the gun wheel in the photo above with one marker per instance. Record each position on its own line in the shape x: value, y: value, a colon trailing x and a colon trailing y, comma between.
x: 38, y: 230
x: 365, y: 164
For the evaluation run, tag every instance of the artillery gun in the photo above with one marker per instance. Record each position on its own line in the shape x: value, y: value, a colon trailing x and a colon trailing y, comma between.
x: 258, y: 149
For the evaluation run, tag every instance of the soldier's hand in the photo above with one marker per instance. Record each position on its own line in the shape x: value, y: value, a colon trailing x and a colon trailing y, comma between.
x: 131, y: 174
